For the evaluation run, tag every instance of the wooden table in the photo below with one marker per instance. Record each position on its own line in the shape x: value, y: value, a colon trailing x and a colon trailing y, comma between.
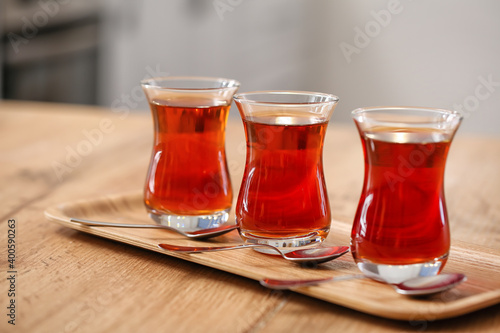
x: 69, y: 281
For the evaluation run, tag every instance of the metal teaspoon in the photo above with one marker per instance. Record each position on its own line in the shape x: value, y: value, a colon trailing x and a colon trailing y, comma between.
x: 313, y: 255
x: 198, y: 234
x: 423, y: 285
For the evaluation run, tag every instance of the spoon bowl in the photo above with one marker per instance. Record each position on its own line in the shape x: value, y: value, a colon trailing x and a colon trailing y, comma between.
x: 198, y: 234
x: 315, y: 255
x: 424, y: 285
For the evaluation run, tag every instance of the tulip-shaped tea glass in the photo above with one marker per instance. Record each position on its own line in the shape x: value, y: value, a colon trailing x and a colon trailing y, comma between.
x: 188, y: 185
x: 283, y: 199
x: 400, y: 230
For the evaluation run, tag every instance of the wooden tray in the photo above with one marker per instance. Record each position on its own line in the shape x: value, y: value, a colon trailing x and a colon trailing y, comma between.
x: 481, y: 265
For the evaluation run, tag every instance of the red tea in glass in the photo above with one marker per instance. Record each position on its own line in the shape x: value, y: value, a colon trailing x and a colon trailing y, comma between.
x: 188, y: 184
x: 284, y: 179
x: 283, y: 199
x: 188, y: 174
x: 401, y: 225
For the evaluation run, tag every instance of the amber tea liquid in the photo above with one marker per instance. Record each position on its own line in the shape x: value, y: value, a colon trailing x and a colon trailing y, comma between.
x: 283, y: 193
x: 188, y: 174
x: 401, y: 217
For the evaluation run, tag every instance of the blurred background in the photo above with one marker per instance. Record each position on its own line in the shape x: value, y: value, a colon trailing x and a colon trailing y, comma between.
x: 421, y: 53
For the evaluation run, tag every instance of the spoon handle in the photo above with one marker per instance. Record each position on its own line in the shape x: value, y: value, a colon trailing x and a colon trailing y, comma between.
x: 120, y: 225
x: 199, y: 249
x: 287, y: 284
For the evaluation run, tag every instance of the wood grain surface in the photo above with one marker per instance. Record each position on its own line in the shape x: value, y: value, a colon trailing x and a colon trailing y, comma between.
x: 359, y: 294
x: 69, y: 281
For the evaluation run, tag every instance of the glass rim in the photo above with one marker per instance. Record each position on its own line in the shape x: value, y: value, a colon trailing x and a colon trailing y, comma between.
x: 241, y: 98
x: 148, y: 83
x: 406, y: 116
x: 374, y: 109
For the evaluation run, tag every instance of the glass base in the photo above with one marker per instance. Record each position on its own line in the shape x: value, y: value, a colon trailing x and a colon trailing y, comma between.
x: 192, y: 222
x: 400, y: 273
x: 285, y: 244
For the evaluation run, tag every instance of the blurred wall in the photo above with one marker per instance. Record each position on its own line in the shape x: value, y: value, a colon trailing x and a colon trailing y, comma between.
x: 260, y: 43
x: 422, y: 53
x: 428, y: 53
x: 48, y: 50
x: 368, y: 52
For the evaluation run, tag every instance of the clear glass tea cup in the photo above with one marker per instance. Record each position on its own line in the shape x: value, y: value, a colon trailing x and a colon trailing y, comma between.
x: 401, y: 230
x: 188, y: 184
x: 283, y: 199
